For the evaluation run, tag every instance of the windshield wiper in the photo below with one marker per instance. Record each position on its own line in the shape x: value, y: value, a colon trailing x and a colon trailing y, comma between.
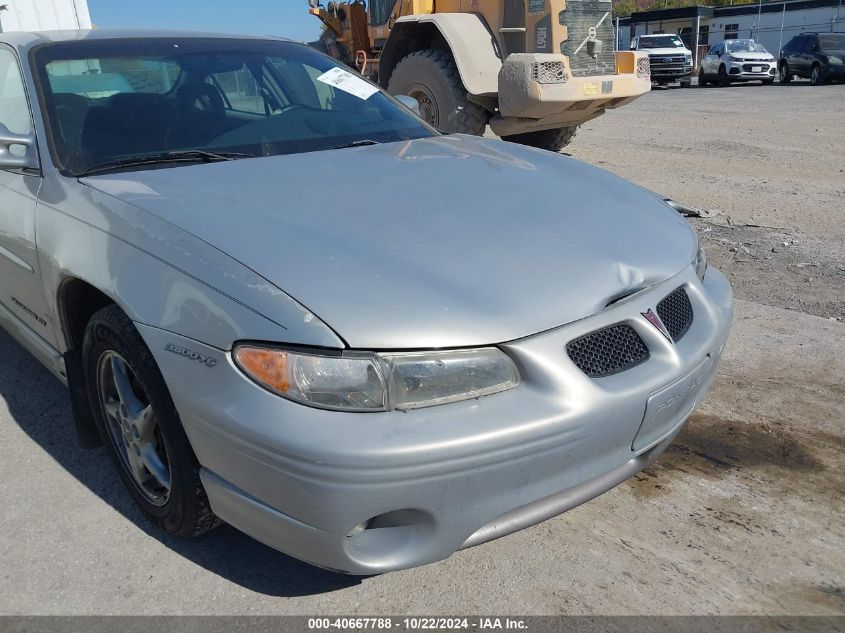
x: 361, y: 143
x: 187, y: 156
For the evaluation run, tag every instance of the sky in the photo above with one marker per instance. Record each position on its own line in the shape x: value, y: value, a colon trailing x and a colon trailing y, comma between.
x: 288, y: 18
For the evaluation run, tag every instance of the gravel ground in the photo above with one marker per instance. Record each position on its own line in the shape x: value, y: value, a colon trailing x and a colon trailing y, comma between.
x: 743, y: 515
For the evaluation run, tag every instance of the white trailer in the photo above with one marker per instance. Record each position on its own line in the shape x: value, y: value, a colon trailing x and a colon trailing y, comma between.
x: 44, y: 15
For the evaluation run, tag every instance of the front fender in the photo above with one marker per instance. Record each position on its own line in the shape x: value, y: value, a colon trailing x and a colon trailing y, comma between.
x: 470, y: 41
x: 161, y: 275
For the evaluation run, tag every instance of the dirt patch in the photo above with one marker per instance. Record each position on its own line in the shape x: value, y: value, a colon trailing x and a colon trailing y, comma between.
x: 710, y: 446
x: 829, y: 596
x: 715, y: 443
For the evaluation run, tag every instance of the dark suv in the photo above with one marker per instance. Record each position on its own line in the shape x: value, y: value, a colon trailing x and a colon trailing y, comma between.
x: 819, y: 56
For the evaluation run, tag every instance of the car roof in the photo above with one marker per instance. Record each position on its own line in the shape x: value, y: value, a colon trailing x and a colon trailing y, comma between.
x: 24, y: 40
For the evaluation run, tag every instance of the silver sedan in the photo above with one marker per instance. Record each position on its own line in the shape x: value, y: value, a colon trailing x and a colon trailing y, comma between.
x: 281, y: 300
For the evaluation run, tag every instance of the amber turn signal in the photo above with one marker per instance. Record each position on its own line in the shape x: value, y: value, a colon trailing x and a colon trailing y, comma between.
x: 268, y: 366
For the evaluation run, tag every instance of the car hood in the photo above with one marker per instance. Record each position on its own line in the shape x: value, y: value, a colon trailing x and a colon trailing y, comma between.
x: 666, y: 51
x: 440, y: 242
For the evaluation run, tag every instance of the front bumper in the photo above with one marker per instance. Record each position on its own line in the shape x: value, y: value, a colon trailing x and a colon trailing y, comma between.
x: 746, y: 71
x: 374, y: 492
x: 670, y: 74
x: 835, y: 72
x: 531, y: 99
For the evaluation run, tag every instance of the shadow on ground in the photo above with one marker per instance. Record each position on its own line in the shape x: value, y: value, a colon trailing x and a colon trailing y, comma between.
x: 39, y: 404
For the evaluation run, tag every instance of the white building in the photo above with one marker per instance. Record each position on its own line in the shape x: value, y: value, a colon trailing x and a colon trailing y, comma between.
x: 771, y: 23
x: 44, y: 15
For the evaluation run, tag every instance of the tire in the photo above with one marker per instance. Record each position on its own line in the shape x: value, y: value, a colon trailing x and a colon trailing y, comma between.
x: 702, y: 80
x: 722, y: 78
x: 686, y: 84
x: 784, y: 75
x: 816, y: 75
x: 432, y: 77
x: 551, y: 140
x: 114, y: 354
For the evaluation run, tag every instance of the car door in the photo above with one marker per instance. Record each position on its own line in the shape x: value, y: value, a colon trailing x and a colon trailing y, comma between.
x: 23, y: 306
x: 799, y: 61
x: 710, y: 63
x: 811, y: 55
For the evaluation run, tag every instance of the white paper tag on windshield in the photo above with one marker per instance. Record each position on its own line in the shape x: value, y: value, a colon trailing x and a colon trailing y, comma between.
x: 346, y: 81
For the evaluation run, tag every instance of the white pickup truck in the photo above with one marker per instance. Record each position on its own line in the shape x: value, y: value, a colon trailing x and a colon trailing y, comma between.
x: 670, y: 59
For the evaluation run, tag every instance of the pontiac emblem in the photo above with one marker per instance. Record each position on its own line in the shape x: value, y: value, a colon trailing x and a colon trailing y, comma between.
x: 656, y: 322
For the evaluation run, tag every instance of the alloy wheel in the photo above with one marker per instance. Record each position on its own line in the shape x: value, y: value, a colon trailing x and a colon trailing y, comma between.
x: 133, y: 428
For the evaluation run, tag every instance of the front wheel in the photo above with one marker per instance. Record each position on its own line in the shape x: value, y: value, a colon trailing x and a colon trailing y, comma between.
x: 723, y: 77
x: 702, y: 80
x: 552, y: 140
x: 432, y: 78
x: 140, y: 426
x: 816, y: 75
x: 784, y: 74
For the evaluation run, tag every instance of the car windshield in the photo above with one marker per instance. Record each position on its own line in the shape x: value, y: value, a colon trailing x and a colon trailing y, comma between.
x: 111, y: 101
x: 832, y: 42
x: 671, y: 41
x: 744, y: 46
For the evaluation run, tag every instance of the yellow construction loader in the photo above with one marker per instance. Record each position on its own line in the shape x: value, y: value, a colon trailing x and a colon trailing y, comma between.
x: 534, y: 70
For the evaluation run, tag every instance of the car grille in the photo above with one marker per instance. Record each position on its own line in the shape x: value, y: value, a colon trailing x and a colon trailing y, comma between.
x: 676, y: 313
x: 668, y: 64
x: 764, y: 66
x: 608, y: 351
x: 578, y: 18
x: 666, y: 59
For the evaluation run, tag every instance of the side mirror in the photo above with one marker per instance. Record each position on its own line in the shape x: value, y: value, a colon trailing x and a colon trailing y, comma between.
x: 409, y: 102
x: 18, y: 160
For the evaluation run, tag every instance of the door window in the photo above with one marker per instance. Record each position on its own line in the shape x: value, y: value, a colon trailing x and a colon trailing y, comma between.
x: 14, y: 107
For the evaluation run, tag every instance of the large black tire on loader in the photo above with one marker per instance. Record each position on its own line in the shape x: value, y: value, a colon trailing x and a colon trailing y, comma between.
x: 552, y: 140
x: 432, y: 78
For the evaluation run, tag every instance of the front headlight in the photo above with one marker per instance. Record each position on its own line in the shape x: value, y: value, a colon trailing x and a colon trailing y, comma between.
x: 833, y: 59
x: 367, y: 381
x: 734, y: 59
x: 700, y: 263
x: 687, y: 59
